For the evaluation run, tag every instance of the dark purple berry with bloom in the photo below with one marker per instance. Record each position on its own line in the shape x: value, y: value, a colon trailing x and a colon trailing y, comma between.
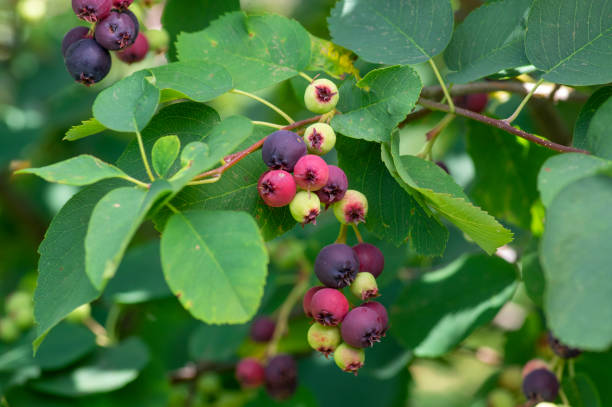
x: 117, y: 31
x: 91, y: 10
x: 282, y: 149
x: 370, y: 258
x: 250, y: 373
x: 381, y: 311
x: 277, y: 188
x: 135, y: 52
x: 336, y: 265
x: 362, y: 327
x: 307, y: 301
x: 262, y: 329
x: 72, y: 36
x: 281, y: 377
x: 561, y: 350
x: 541, y: 385
x: 329, y: 306
x: 311, y: 172
x: 87, y: 61
x: 335, y: 187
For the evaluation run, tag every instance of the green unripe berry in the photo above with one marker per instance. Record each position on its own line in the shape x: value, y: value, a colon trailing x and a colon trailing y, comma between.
x: 305, y: 207
x: 501, y: 398
x: 352, y: 208
x: 9, y: 331
x: 349, y: 359
x: 364, y: 286
x: 158, y: 40
x: 324, y: 339
x: 17, y: 301
x: 321, y: 96
x: 320, y: 138
x: 79, y: 314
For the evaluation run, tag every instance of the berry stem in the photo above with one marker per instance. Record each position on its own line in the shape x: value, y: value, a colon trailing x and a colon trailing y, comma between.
x: 449, y: 99
x: 102, y: 337
x: 137, y: 182
x: 571, y: 368
x: 357, y: 234
x: 172, y: 208
x: 265, y: 102
x: 432, y: 135
x: 341, y: 234
x: 143, y: 155
x: 308, y: 78
x: 211, y: 180
x: 258, y: 123
x: 523, y: 102
x: 111, y: 322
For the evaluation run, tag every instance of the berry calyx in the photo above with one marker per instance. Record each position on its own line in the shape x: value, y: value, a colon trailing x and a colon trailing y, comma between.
x: 561, y: 350
x: 352, y: 208
x: 324, y: 339
x: 311, y: 172
x: 335, y: 187
x: 277, y: 188
x: 381, y: 311
x: 262, y: 329
x: 362, y: 327
x: 321, y: 96
x: 305, y: 207
x: 364, y: 286
x: 117, y: 31
x: 72, y: 36
x: 135, y: 52
x: 122, y: 4
x: 475, y: 102
x: 250, y: 373
x: 307, y: 301
x: 282, y: 149
x: 370, y: 258
x: 87, y: 61
x: 348, y: 358
x: 329, y: 306
x: 91, y: 10
x: 320, y: 138
x: 541, y: 385
x: 281, y: 377
x: 336, y: 265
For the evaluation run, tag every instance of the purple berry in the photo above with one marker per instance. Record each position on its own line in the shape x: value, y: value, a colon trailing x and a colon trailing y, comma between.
x: 250, y: 373
x: 329, y: 306
x: 381, y: 311
x: 277, y: 188
x: 336, y: 265
x: 561, y: 350
x: 541, y: 385
x: 122, y: 4
x: 262, y: 329
x: 87, y: 61
x: 91, y: 10
x: 281, y: 377
x: 335, y: 188
x: 307, y: 301
x: 117, y: 31
x: 134, y: 20
x: 311, y: 172
x: 135, y: 52
x: 370, y: 258
x: 282, y: 149
x: 72, y: 36
x: 475, y: 102
x: 362, y: 327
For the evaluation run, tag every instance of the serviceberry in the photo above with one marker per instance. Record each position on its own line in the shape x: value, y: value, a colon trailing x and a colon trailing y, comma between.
x: 541, y: 385
x: 134, y: 20
x: 282, y: 149
x: 324, y: 339
x: 321, y: 96
x: 370, y: 258
x: 336, y: 265
x: 72, y: 36
x: 281, y: 377
x: 311, y: 172
x: 475, y: 102
x: 532, y: 365
x: 87, y: 61
x: 348, y: 358
x: 307, y: 301
x: 135, y: 52
x: 305, y: 207
x: 561, y: 350
x: 277, y: 188
x: 92, y: 10
x: 362, y: 327
x: 320, y: 138
x: 250, y: 373
x: 352, y: 208
x: 117, y: 31
x: 335, y: 187
x: 381, y: 311
x: 262, y: 329
x: 364, y: 286
x: 329, y: 306
x: 122, y: 4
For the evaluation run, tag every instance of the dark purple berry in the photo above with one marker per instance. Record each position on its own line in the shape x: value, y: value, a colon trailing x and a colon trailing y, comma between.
x: 475, y: 102
x: 87, y: 61
x: 250, y: 373
x: 335, y: 188
x: 541, y: 385
x: 72, y: 36
x: 135, y: 52
x: 329, y: 306
x: 307, y: 301
x: 381, y: 311
x: 135, y: 20
x: 282, y: 149
x: 311, y: 172
x: 262, y: 329
x: 92, y: 10
x: 533, y: 364
x: 281, y: 377
x: 336, y: 265
x: 443, y: 166
x: 277, y: 188
x: 117, y: 31
x: 370, y: 258
x: 362, y: 327
x: 122, y: 4
x: 561, y: 350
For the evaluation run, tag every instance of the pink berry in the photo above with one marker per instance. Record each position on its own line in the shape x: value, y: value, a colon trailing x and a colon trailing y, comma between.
x: 276, y: 187
x: 329, y: 306
x: 306, y: 302
x: 311, y: 172
x: 135, y: 52
x: 250, y: 373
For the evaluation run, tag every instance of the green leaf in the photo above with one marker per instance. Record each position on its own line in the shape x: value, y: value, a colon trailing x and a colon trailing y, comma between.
x: 576, y: 257
x: 570, y: 40
x: 561, y: 170
x: 164, y: 153
x: 502, y: 24
x: 444, y: 195
x: 194, y: 80
x: 217, y: 343
x: 111, y: 369
x: 129, y: 104
x: 438, y: 310
x: 580, y: 391
x: 85, y: 129
x: 393, y: 214
x: 595, y: 366
x: 392, y: 31
x: 113, y: 223
x: 593, y: 124
x: 215, y: 262
x: 331, y: 58
x: 533, y: 277
x: 377, y: 103
x: 80, y: 170
x: 258, y: 51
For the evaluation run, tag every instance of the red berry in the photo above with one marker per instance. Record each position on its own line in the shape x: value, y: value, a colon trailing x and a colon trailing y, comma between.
x: 262, y: 329
x: 91, y: 10
x: 381, y: 311
x: 311, y: 172
x: 329, y: 306
x: 276, y: 187
x: 281, y: 377
x: 362, y: 327
x: 250, y: 373
x: 335, y: 187
x: 307, y: 301
x: 370, y: 258
x: 135, y: 52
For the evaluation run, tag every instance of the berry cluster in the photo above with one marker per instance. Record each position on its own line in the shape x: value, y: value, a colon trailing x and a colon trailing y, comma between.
x: 337, y: 329
x: 114, y: 28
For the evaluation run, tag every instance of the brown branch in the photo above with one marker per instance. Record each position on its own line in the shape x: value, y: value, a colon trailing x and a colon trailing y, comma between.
x: 500, y: 124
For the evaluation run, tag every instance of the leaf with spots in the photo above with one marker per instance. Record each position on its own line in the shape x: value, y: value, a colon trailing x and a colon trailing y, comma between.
x: 331, y: 58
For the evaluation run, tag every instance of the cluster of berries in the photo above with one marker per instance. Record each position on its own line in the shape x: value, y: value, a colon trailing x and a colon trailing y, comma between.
x: 115, y: 28
x: 336, y: 329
